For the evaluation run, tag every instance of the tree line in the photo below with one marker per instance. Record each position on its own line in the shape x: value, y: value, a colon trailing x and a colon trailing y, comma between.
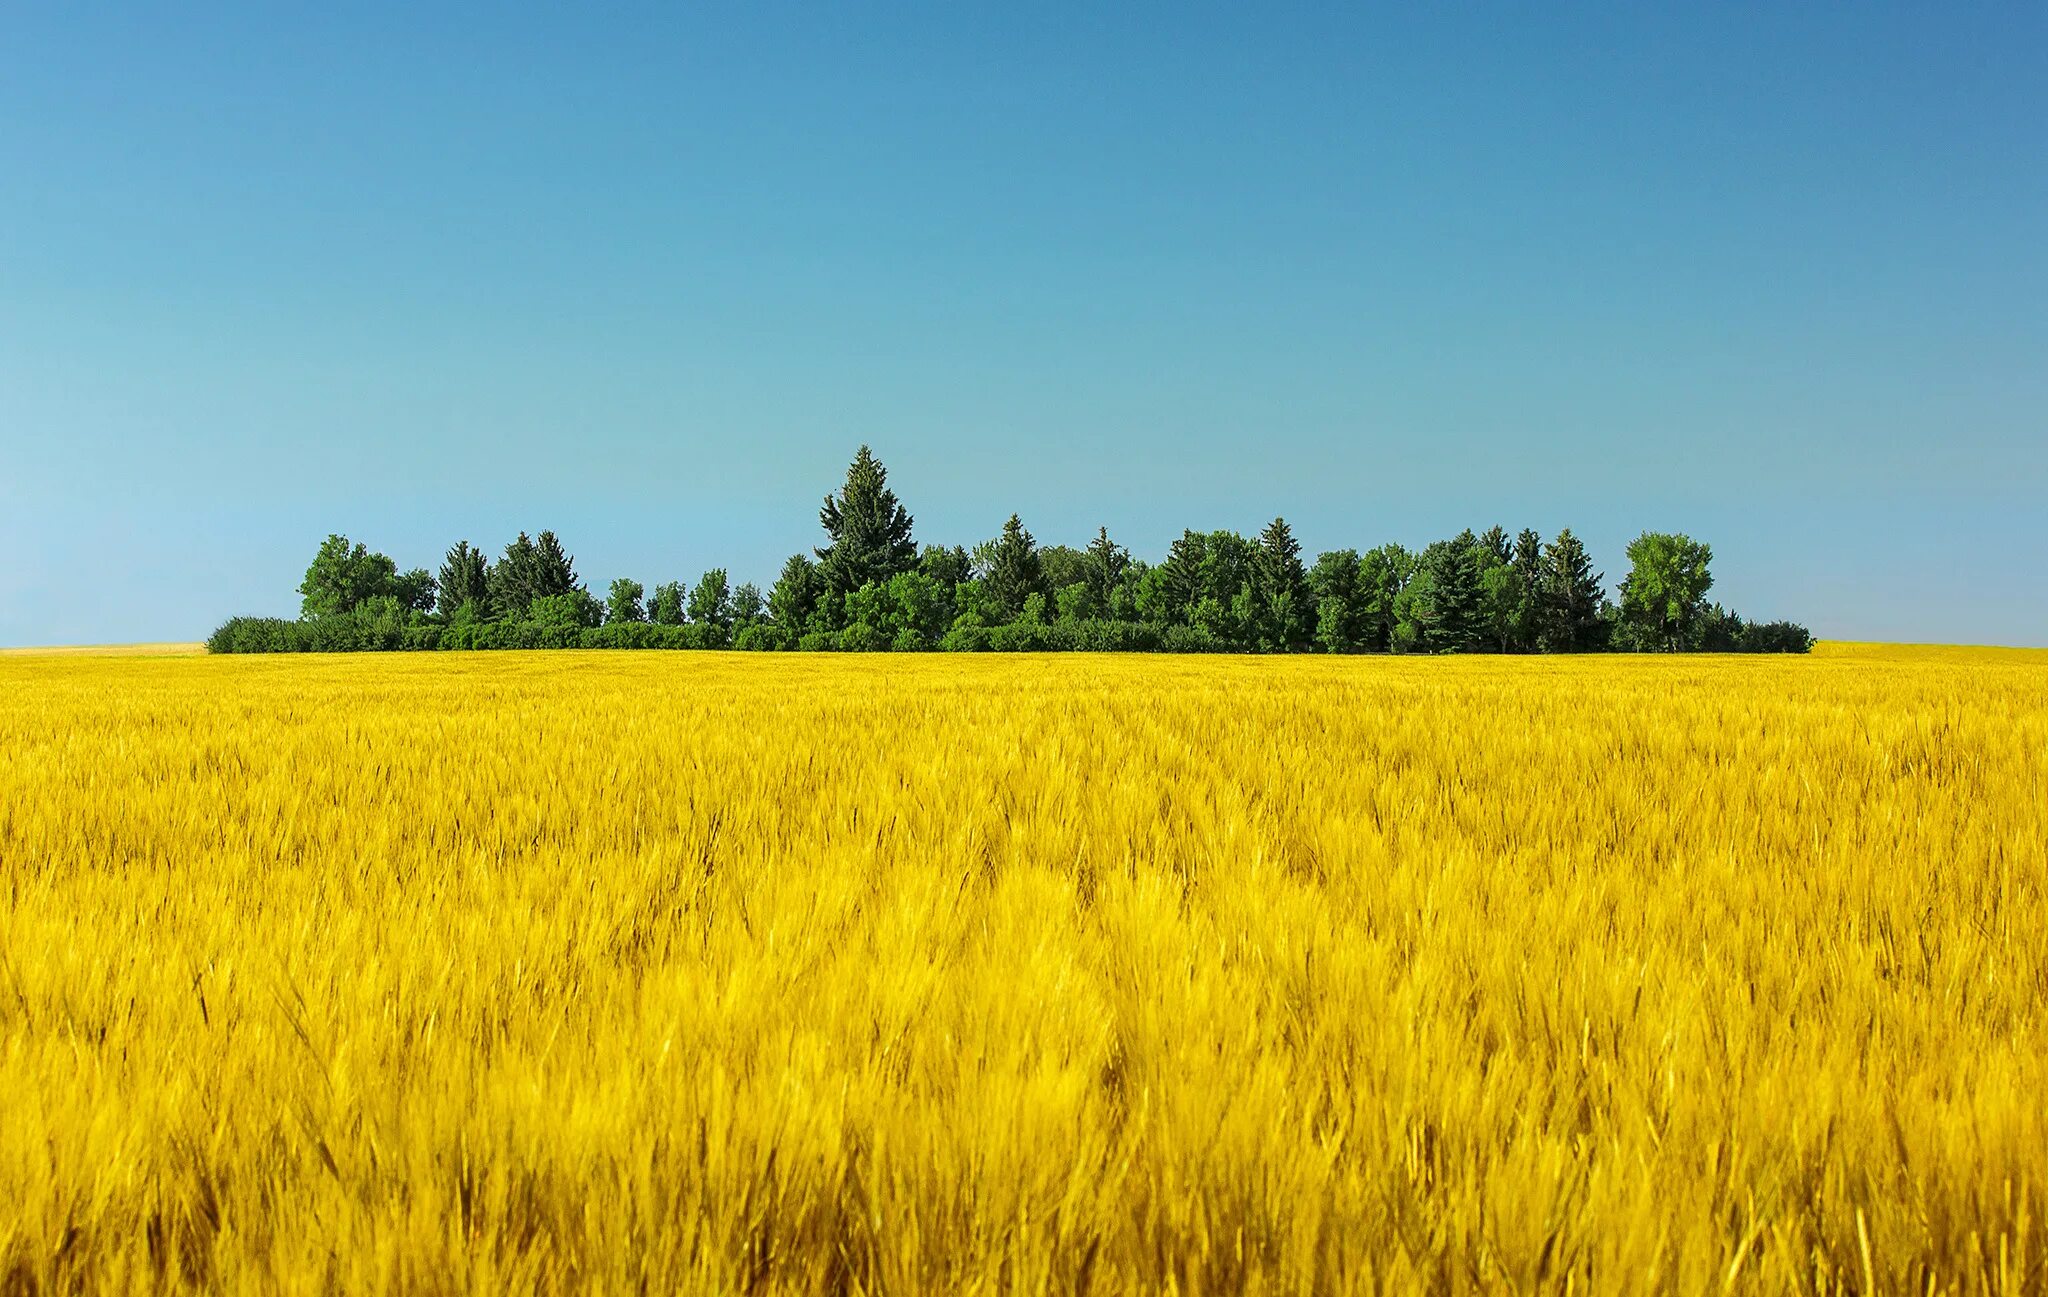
x: 870, y: 587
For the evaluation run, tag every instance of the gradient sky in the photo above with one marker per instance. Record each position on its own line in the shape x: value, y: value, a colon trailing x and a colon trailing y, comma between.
x: 1775, y: 276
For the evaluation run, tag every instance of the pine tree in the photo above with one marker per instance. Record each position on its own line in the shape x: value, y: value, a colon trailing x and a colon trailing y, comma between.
x: 1528, y: 562
x: 554, y: 572
x: 1570, y: 598
x: 512, y: 581
x: 1447, y: 605
x: 1107, y: 564
x: 1013, y: 572
x: 465, y: 579
x: 1180, y: 578
x: 869, y: 530
x: 1281, y: 603
x: 794, y: 596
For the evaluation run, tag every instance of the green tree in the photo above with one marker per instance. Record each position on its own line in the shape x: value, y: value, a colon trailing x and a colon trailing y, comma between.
x: 1528, y: 561
x: 794, y: 596
x: 1334, y: 584
x: 666, y: 608
x: 1501, y: 599
x: 947, y: 565
x: 746, y: 604
x: 465, y: 579
x: 711, y: 601
x: 1570, y: 598
x: 869, y: 530
x: 1283, y: 606
x: 623, y: 604
x: 414, y: 590
x: 1443, y: 599
x: 1383, y: 574
x: 514, y: 580
x: 1665, y: 591
x: 554, y: 571
x: 1060, y: 566
x: 1175, y: 586
x: 342, y: 576
x: 1013, y: 573
x: 1108, y: 563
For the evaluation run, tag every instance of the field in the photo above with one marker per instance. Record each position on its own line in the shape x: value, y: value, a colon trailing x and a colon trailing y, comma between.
x: 936, y: 974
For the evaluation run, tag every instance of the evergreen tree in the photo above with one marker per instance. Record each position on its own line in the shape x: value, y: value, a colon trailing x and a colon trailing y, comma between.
x: 513, y: 581
x: 869, y: 530
x: 1178, y: 586
x: 1569, y: 620
x: 465, y: 579
x: 1495, y: 548
x: 1528, y: 561
x: 1107, y: 564
x: 794, y: 597
x: 554, y: 571
x: 1282, y: 608
x: 1445, y: 608
x: 1014, y: 573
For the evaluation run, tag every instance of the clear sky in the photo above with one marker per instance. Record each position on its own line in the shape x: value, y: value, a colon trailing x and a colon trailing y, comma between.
x: 1773, y: 275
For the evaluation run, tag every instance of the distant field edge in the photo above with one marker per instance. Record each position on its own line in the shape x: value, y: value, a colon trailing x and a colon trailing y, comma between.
x: 107, y: 650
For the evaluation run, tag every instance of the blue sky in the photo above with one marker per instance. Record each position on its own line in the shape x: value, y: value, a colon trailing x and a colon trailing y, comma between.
x: 1775, y: 276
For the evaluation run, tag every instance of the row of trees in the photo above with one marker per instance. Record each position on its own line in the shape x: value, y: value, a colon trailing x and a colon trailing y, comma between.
x: 871, y: 587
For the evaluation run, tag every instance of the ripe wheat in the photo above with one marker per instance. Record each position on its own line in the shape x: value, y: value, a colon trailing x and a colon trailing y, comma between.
x: 946, y: 975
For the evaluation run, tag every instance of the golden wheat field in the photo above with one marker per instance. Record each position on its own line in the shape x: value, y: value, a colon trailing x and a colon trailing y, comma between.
x: 787, y: 974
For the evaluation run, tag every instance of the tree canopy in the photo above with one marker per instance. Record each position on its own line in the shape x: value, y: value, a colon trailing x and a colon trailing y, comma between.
x: 871, y: 588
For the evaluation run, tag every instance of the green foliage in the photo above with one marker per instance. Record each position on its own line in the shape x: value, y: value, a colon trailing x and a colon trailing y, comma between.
x: 1569, y: 598
x: 1012, y: 574
x: 1664, y: 593
x: 794, y: 596
x: 1283, y: 614
x: 869, y: 530
x: 711, y: 601
x: 343, y: 576
x: 465, y: 579
x: 871, y: 590
x: 666, y: 608
x: 623, y: 606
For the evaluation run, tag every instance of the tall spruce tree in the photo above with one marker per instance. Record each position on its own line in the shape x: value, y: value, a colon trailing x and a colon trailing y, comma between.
x: 869, y: 531
x: 465, y: 579
x: 1107, y: 564
x: 1013, y: 574
x: 554, y: 572
x: 1570, y: 598
x: 1528, y: 563
x: 1446, y: 609
x: 1281, y: 601
x: 513, y: 581
x: 794, y: 596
